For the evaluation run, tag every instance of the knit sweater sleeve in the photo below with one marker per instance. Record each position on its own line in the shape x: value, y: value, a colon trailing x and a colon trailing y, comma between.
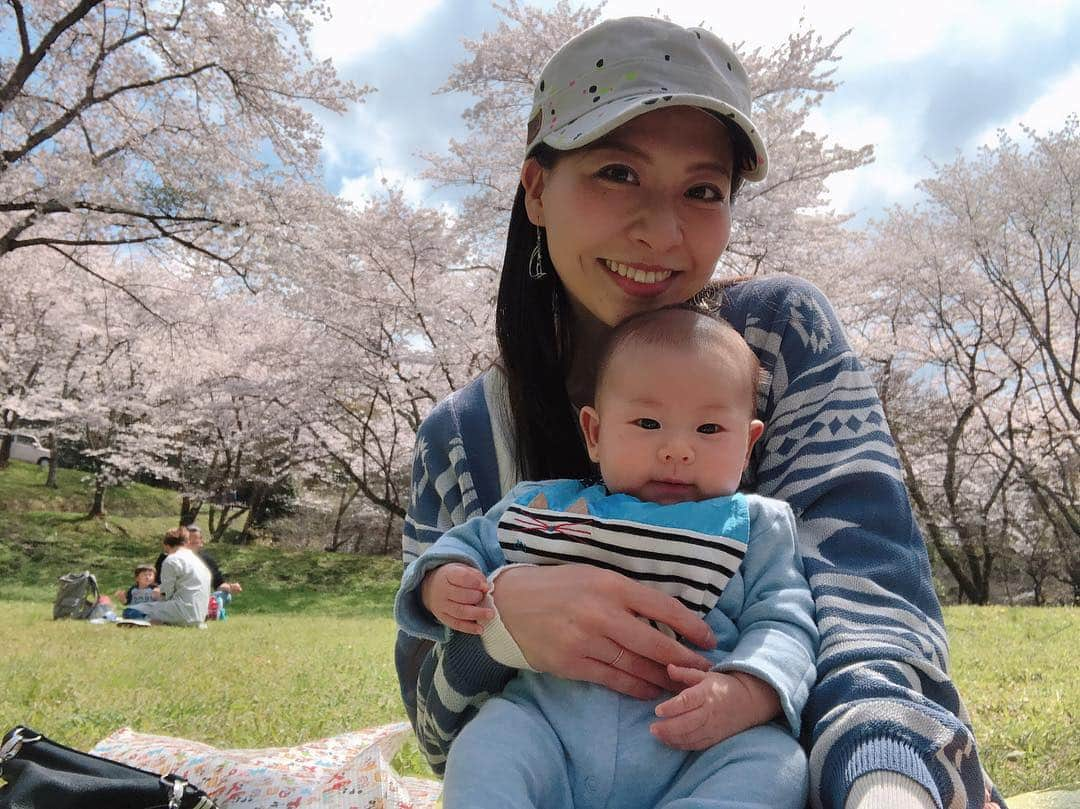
x: 474, y: 543
x: 883, y: 700
x: 442, y: 685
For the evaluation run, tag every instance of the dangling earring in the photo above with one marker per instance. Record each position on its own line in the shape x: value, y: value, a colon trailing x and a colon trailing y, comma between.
x: 536, y: 259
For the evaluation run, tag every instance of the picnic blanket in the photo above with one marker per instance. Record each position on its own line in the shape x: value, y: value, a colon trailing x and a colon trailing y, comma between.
x: 351, y: 771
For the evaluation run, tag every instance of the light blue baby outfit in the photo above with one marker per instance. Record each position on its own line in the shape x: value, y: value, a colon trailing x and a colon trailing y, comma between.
x: 553, y: 743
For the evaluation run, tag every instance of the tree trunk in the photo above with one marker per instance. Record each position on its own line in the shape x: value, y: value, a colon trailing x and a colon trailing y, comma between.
x: 256, y: 502
x: 50, y: 479
x: 97, y: 508
x: 5, y: 450
x: 387, y: 533
x: 189, y: 509
x: 343, y: 505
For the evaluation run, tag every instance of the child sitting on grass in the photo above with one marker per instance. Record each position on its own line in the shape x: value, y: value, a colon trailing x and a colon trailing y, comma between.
x: 672, y: 426
x: 142, y: 591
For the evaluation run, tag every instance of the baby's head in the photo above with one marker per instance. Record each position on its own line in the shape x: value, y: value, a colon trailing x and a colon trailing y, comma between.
x: 674, y: 413
x: 144, y: 576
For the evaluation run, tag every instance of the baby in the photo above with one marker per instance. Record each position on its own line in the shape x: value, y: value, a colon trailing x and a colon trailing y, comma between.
x: 672, y: 427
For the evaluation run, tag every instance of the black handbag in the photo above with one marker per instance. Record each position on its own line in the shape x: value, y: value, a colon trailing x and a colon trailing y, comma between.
x: 42, y: 774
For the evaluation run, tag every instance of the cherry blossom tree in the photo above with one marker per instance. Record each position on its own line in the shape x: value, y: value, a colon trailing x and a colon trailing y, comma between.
x: 182, y: 129
x: 34, y: 344
x: 974, y: 306
x: 83, y: 368
x: 178, y: 140
x: 1021, y: 242
x: 403, y: 323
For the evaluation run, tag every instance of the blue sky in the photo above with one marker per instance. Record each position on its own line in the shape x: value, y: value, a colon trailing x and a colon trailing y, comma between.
x: 922, y: 80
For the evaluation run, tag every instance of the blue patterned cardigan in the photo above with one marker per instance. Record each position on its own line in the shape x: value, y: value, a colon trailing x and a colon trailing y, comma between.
x: 883, y: 700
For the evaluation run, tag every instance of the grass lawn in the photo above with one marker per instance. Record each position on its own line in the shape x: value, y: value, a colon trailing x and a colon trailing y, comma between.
x: 307, y: 649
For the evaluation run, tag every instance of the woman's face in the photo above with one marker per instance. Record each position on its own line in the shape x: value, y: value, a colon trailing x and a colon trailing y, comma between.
x: 639, y: 219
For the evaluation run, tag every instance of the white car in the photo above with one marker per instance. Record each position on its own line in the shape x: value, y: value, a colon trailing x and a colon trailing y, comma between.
x: 25, y: 447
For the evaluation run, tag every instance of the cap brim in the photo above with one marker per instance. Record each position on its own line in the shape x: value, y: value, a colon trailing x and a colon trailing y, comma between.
x: 606, y: 118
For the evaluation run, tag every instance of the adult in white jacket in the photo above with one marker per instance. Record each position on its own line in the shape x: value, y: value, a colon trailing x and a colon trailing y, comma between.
x: 185, y: 585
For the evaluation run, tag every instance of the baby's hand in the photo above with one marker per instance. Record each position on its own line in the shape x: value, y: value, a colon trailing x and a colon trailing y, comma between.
x: 716, y: 705
x: 452, y: 594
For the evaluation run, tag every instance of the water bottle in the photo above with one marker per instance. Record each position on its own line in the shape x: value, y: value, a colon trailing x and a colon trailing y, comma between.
x: 212, y: 608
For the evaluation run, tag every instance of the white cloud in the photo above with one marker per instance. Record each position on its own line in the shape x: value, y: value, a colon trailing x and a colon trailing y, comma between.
x: 882, y: 32
x: 358, y: 26
x: 884, y: 179
x: 891, y: 31
x: 367, y: 187
x: 1047, y: 113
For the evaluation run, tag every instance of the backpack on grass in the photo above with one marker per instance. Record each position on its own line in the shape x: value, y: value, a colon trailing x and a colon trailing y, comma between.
x: 76, y: 596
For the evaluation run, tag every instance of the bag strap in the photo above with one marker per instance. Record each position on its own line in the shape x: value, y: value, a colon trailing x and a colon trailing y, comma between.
x: 176, y: 786
x: 94, y: 587
x: 14, y: 743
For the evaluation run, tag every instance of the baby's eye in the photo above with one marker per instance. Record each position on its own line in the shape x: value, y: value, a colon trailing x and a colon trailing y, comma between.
x: 619, y: 174
x: 647, y: 424
x: 706, y: 193
x: 709, y: 429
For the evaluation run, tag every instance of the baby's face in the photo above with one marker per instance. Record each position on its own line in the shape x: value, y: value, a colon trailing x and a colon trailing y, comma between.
x: 144, y: 578
x: 672, y: 424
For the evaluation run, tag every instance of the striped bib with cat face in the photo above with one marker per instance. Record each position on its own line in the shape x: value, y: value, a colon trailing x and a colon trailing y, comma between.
x: 687, y: 550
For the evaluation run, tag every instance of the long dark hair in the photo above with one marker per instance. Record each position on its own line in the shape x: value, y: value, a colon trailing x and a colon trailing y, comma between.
x: 534, y: 329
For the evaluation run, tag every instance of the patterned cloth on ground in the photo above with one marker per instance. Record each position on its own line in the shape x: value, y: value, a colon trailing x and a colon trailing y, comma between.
x: 351, y: 771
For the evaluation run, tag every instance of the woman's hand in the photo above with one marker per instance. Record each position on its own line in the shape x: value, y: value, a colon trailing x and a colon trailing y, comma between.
x: 582, y: 623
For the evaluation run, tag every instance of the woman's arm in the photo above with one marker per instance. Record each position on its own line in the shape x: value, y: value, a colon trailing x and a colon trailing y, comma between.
x: 884, y: 701
x: 169, y: 575
x: 442, y: 686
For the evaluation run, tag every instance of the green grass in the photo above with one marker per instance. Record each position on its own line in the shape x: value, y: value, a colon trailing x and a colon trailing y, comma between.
x: 307, y: 650
x: 1017, y: 670
x: 250, y: 681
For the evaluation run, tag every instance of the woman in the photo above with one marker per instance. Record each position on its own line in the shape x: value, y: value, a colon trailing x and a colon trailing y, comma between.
x: 184, y: 585
x: 640, y: 134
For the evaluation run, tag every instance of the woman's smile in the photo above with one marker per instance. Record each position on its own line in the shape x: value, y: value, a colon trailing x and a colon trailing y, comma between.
x: 639, y: 280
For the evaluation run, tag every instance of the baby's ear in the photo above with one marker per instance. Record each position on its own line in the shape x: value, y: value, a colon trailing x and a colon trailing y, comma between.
x: 540, y: 501
x: 579, y: 506
x: 590, y: 428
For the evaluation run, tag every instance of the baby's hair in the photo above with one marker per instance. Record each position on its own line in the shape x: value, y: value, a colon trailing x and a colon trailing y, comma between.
x: 176, y: 537
x: 680, y: 326
x: 144, y: 569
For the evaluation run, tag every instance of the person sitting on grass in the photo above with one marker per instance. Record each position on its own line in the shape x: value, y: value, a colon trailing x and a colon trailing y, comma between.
x: 198, y: 545
x: 219, y: 587
x: 184, y: 588
x: 143, y: 591
x: 672, y: 426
